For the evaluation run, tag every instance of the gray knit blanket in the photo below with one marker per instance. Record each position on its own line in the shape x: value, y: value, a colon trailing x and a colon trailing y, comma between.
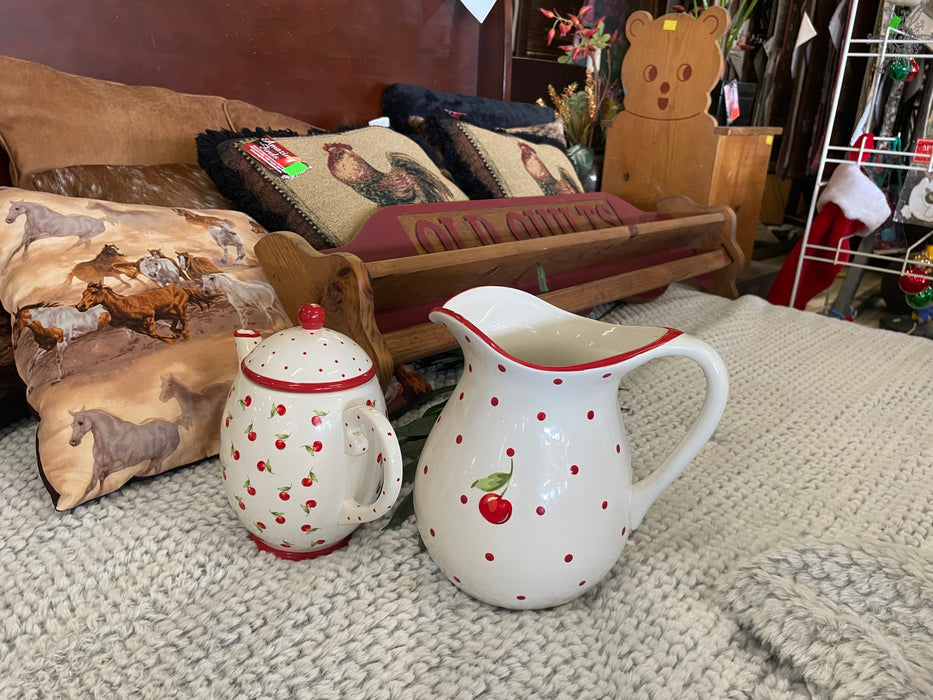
x: 852, y: 620
x: 792, y: 559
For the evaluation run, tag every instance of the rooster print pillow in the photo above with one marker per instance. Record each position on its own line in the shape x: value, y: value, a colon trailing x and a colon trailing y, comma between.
x: 491, y: 165
x: 324, y: 187
x: 122, y: 321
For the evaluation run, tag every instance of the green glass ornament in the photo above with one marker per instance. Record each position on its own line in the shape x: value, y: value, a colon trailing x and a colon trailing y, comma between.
x: 920, y: 300
x: 899, y: 69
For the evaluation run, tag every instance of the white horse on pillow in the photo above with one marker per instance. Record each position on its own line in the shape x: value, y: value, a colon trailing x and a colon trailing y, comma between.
x: 245, y: 295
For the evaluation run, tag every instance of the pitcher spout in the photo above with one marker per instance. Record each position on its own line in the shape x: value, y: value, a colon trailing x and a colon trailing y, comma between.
x: 528, y: 331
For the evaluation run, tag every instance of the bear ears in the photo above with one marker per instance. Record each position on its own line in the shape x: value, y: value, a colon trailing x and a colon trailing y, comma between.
x: 714, y: 20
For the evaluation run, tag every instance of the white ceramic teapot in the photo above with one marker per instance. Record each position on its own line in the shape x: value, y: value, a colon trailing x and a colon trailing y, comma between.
x: 306, y: 449
x: 523, y: 491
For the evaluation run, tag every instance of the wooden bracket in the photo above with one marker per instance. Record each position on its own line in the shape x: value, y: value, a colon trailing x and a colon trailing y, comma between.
x: 603, y: 265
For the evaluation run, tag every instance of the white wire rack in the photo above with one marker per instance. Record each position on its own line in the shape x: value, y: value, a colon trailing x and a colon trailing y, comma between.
x: 891, y: 45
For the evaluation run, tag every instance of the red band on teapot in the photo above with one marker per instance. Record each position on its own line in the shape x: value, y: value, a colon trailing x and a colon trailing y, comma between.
x: 308, y: 387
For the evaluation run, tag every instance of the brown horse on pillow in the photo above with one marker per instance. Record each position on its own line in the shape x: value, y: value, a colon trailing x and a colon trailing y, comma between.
x: 139, y: 312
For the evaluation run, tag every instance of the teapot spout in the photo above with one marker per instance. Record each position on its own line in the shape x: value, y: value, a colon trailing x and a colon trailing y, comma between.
x: 246, y: 339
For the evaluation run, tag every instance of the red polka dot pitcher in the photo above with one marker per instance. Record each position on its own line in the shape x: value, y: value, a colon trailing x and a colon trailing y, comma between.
x: 306, y: 450
x: 523, y: 492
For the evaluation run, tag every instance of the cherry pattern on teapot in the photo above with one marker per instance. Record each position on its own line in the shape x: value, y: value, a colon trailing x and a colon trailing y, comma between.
x: 268, y: 480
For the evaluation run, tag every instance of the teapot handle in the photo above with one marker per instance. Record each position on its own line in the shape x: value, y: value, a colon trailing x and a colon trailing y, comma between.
x: 368, y: 430
x: 646, y: 491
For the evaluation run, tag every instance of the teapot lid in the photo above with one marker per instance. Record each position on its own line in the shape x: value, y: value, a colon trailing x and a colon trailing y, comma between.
x: 309, y: 358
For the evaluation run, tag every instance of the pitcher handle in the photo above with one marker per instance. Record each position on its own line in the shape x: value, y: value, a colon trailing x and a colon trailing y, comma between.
x: 368, y: 430
x: 646, y: 491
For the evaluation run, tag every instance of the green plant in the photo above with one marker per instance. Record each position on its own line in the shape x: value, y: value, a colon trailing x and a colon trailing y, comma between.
x: 583, y: 110
x: 740, y: 11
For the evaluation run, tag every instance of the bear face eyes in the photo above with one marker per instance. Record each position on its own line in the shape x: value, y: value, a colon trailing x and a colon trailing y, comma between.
x: 684, y: 71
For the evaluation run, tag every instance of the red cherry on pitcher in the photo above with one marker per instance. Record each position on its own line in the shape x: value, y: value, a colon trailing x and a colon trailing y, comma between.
x: 495, y: 508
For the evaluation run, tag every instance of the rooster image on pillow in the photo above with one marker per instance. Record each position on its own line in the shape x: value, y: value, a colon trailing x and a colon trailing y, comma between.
x: 406, y: 182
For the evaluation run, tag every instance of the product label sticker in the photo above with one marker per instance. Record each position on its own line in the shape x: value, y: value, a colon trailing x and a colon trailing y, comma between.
x: 669, y: 25
x: 923, y: 151
x: 730, y: 93
x: 276, y: 157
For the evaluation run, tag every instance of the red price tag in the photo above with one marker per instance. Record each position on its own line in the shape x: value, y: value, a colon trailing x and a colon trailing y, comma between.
x: 924, y: 150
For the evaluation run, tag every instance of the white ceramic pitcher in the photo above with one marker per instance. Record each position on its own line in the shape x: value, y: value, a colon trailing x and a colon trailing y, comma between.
x: 524, y: 493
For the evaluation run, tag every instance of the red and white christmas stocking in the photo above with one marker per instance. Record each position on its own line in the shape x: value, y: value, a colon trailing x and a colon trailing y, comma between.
x: 850, y: 205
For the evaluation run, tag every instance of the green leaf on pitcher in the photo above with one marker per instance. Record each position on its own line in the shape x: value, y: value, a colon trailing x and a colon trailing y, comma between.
x: 493, y: 482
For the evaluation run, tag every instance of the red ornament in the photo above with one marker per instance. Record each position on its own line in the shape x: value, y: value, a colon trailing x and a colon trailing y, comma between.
x: 912, y: 282
x: 914, y: 69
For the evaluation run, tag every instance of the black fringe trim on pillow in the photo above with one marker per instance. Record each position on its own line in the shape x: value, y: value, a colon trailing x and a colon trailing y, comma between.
x: 229, y: 181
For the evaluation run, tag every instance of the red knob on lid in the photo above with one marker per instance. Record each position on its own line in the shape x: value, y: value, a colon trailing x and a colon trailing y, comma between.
x: 311, y: 317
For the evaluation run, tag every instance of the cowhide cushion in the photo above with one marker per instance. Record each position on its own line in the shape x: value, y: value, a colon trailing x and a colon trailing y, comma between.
x: 161, y: 185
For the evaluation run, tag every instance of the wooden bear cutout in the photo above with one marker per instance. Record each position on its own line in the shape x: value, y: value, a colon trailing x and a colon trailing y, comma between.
x: 663, y: 141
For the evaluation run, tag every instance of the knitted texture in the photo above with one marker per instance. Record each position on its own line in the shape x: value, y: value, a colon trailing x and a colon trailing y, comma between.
x: 855, y: 619
x: 155, y: 591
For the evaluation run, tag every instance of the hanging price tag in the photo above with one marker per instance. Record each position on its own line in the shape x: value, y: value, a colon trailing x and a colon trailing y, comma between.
x: 730, y: 94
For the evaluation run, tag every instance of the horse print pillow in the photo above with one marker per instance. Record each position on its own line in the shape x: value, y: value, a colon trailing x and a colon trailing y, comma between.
x: 123, y: 318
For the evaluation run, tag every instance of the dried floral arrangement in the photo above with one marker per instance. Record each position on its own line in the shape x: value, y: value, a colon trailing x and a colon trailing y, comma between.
x: 586, y: 40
